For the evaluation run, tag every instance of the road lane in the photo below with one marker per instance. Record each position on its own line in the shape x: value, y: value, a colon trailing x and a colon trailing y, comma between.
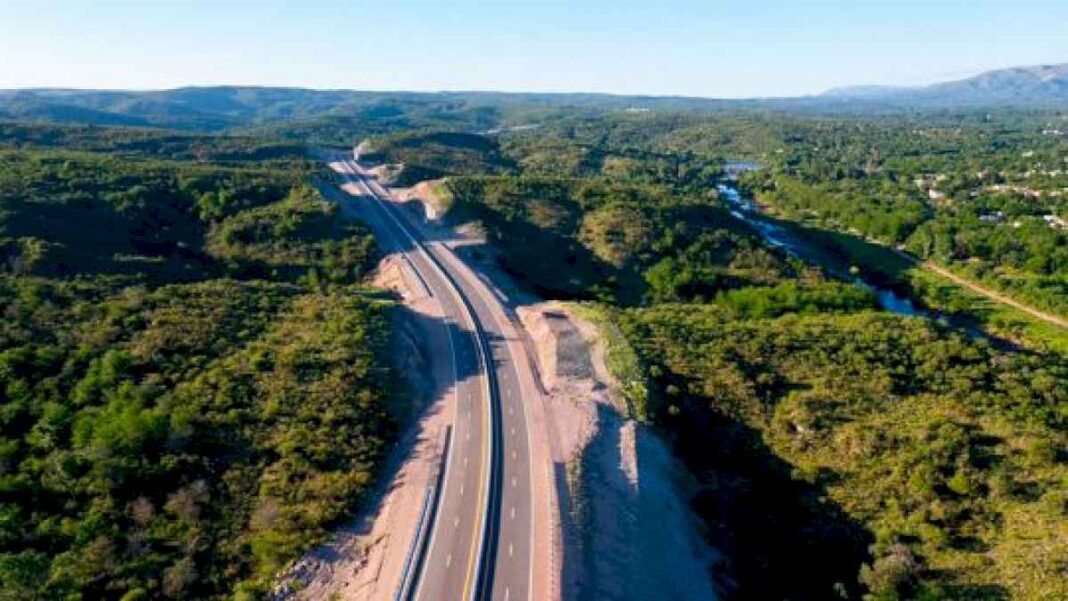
x: 507, y: 570
x: 512, y: 567
x: 449, y: 566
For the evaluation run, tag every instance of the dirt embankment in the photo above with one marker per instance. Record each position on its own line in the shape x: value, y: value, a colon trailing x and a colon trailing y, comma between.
x: 627, y: 527
x: 430, y: 195
x: 365, y: 559
x: 625, y: 530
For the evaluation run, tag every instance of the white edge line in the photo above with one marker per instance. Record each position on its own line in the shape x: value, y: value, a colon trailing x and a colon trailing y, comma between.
x: 469, y: 318
x: 530, y: 471
x: 455, y: 404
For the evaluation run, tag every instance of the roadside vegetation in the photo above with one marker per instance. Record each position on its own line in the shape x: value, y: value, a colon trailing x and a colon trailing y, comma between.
x: 612, y: 241
x: 433, y: 155
x: 848, y: 452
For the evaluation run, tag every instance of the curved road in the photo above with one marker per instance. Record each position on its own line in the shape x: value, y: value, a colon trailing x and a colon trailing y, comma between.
x: 482, y: 538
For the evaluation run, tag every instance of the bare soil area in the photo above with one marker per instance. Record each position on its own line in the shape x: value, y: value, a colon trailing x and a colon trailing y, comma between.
x: 627, y: 527
x: 624, y: 528
x: 423, y: 193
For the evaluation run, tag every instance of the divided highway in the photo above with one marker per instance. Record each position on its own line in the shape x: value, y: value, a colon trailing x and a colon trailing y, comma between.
x: 482, y: 540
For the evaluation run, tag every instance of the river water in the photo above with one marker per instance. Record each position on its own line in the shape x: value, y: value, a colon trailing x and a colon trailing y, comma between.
x: 744, y: 210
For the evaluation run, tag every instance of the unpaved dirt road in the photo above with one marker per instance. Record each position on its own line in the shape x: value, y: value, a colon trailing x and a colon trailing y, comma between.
x: 987, y: 292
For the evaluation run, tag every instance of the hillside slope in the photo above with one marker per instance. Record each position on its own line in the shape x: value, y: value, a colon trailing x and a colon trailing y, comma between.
x: 1035, y: 85
x: 191, y: 389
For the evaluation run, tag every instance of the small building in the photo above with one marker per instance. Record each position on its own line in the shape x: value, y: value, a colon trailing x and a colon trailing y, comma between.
x: 1055, y: 222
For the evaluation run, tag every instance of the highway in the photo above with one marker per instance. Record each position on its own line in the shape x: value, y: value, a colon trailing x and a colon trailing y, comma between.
x: 483, y: 542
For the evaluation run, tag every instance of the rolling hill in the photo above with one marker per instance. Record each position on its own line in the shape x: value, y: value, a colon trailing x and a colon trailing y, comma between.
x: 1041, y: 85
x: 320, y: 114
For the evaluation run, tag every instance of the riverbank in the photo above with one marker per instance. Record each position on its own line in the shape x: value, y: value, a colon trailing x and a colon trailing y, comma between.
x: 784, y: 236
x: 904, y: 284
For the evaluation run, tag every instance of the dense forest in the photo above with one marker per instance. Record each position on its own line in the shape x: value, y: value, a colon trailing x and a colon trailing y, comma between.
x: 192, y: 388
x: 612, y: 241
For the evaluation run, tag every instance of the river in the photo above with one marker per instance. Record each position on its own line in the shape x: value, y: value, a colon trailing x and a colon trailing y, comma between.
x: 745, y: 210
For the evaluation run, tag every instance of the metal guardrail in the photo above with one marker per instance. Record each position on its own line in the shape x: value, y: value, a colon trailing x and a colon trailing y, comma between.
x: 417, y: 550
x: 483, y: 573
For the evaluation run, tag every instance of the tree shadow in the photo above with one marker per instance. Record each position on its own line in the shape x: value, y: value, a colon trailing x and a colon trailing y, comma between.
x: 976, y: 592
x: 783, y: 538
x: 627, y: 534
x: 92, y: 237
x: 547, y: 263
x: 839, y: 253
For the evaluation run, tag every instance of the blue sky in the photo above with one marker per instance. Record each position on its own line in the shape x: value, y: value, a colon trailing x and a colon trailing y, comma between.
x: 712, y: 48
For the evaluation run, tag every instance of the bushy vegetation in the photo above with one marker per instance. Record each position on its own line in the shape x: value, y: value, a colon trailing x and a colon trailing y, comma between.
x: 585, y: 238
x: 307, y: 115
x: 299, y: 235
x: 148, y: 142
x: 436, y: 154
x: 182, y: 441
x: 191, y: 390
x: 71, y: 213
x: 842, y: 452
x: 973, y: 190
x: 864, y: 449
x: 884, y: 267
x: 614, y: 149
x: 885, y: 210
x: 983, y: 197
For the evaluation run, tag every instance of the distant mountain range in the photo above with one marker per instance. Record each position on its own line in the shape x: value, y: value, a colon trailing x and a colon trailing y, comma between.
x: 1025, y: 86
x: 254, y: 108
x: 232, y: 107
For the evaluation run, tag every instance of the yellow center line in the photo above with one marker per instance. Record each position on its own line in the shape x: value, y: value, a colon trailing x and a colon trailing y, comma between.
x: 472, y: 559
x: 483, y: 490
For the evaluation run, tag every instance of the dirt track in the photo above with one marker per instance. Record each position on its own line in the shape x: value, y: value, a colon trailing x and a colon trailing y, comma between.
x: 988, y: 293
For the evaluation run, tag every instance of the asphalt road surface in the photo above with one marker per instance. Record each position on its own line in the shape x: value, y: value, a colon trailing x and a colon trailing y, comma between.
x: 481, y: 535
